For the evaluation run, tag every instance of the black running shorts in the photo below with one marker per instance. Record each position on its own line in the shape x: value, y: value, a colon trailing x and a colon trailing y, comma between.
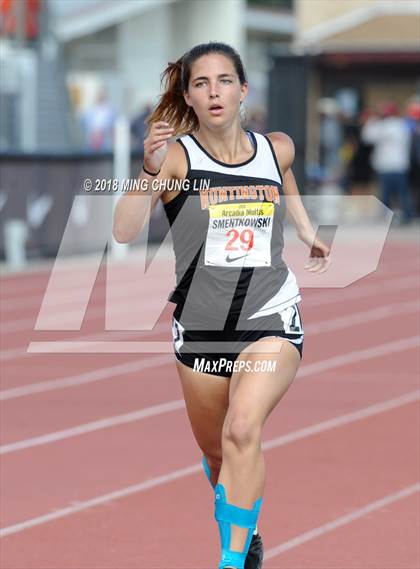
x: 215, y: 350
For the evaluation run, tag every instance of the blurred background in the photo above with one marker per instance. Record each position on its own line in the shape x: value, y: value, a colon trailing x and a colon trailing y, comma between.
x: 79, y: 77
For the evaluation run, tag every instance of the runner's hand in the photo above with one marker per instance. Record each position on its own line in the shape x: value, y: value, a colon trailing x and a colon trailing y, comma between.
x: 156, y: 145
x: 319, y: 260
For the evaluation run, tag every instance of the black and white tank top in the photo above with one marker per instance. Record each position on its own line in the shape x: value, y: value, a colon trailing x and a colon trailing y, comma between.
x: 227, y: 231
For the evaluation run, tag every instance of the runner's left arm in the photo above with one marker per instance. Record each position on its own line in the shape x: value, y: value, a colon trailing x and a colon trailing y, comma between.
x: 285, y: 154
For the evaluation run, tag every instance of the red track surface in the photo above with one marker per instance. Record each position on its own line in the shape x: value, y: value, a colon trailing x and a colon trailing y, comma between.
x: 161, y: 515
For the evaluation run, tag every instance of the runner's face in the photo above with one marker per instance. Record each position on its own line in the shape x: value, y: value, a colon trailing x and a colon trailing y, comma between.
x: 215, y: 83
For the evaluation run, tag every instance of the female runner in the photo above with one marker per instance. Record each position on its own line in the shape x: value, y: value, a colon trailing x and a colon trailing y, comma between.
x: 237, y: 329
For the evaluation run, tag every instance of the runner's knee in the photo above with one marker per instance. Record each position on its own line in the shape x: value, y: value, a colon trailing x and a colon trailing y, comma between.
x: 240, y: 430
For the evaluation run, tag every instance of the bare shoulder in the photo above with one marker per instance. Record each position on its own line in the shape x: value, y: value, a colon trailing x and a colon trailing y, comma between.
x: 284, y: 149
x: 175, y: 165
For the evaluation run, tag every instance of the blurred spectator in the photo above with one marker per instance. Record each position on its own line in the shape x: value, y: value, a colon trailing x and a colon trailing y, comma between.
x: 139, y: 127
x: 98, y: 123
x: 331, y: 136
x: 412, y: 112
x: 359, y: 172
x: 390, y: 138
x: 413, y: 118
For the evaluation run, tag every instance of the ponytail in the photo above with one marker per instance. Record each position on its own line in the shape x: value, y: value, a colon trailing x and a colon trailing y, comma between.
x: 172, y: 107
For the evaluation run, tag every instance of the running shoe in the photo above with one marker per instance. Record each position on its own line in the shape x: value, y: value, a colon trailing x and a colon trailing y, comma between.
x: 255, y: 555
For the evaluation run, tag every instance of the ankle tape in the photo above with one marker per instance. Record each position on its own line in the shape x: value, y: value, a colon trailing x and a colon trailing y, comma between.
x: 227, y: 515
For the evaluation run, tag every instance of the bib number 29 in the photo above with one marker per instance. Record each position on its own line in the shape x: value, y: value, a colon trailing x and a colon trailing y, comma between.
x: 246, y: 240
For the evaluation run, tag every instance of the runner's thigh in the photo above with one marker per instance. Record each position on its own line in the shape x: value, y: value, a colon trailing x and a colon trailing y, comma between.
x: 256, y: 393
x: 207, y: 400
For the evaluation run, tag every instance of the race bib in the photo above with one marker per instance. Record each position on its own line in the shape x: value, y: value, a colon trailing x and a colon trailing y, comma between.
x: 239, y: 235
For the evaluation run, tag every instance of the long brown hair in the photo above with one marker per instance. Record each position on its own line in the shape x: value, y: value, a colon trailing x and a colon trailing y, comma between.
x: 172, y: 107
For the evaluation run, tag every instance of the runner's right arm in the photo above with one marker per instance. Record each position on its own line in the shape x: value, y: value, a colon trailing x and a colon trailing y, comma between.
x: 134, y: 208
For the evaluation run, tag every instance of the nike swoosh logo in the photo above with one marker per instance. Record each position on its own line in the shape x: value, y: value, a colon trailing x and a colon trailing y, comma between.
x: 231, y: 259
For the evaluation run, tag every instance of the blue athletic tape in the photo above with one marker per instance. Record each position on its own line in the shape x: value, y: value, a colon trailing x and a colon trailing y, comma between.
x: 228, y: 515
x: 237, y: 516
x: 206, y: 468
x: 232, y: 559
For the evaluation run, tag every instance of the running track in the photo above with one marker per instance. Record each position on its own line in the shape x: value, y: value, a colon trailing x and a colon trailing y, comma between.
x: 99, y: 468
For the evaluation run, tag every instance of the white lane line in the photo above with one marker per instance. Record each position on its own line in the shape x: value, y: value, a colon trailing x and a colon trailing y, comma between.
x: 158, y: 347
x: 328, y: 325
x: 8, y: 355
x: 330, y: 296
x: 104, y: 347
x: 361, y: 355
x: 22, y: 351
x: 72, y: 268
x: 86, y: 377
x: 95, y: 426
x: 14, y: 354
x: 346, y: 294
x: 330, y: 424
x: 342, y: 521
x: 68, y: 296
x: 351, y: 417
x: 66, y: 317
x: 329, y: 363
x: 103, y: 499
x: 23, y: 283
x: 353, y: 318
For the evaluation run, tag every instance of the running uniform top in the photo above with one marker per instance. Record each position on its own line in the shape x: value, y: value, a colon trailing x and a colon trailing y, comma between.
x: 227, y: 231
